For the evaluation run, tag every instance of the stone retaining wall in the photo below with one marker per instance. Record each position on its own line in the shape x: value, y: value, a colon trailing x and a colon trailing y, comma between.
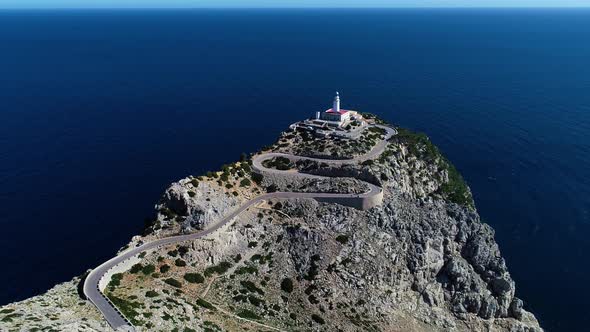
x: 285, y: 178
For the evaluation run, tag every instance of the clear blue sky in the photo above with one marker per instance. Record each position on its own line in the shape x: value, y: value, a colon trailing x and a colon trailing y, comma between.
x: 286, y: 3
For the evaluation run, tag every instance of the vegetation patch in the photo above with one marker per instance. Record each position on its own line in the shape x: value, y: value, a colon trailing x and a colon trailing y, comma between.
x: 247, y: 270
x: 257, y: 178
x: 261, y: 259
x: 287, y: 285
x: 136, y: 268
x: 313, y: 268
x: 251, y: 287
x: 173, y: 282
x: 255, y: 301
x: 148, y: 269
x: 318, y: 319
x: 205, y: 304
x: 194, y: 278
x: 127, y: 308
x: 220, y: 268
x: 248, y: 314
x: 342, y: 238
x: 280, y: 163
x: 115, y: 280
x: 455, y: 189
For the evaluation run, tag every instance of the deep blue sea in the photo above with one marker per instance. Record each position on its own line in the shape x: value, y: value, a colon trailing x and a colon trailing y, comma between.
x: 101, y: 110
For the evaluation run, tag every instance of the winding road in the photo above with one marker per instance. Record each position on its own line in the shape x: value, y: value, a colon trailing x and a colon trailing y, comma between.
x: 114, y: 317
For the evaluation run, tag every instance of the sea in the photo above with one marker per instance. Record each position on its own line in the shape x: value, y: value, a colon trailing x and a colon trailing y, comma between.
x: 100, y: 110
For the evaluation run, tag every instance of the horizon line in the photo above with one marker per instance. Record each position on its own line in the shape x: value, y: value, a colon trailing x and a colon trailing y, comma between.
x: 294, y: 7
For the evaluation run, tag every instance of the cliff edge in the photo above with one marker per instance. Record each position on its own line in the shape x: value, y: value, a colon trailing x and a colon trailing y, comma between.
x: 421, y: 260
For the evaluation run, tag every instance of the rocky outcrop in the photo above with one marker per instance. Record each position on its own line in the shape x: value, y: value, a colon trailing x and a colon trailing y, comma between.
x: 193, y: 204
x: 59, y: 309
x: 421, y: 261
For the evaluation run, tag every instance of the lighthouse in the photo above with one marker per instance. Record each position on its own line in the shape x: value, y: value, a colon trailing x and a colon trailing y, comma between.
x: 335, y: 120
x: 336, y: 104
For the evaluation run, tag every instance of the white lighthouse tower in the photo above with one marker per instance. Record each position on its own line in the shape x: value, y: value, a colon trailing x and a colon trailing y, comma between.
x: 336, y: 105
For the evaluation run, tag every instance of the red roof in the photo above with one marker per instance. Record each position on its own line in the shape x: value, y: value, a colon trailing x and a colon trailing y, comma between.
x: 341, y: 111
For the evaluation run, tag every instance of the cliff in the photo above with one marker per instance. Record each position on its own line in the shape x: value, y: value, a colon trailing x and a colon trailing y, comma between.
x: 420, y: 261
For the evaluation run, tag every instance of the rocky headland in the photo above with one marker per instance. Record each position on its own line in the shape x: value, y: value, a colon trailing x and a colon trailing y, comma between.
x: 422, y: 260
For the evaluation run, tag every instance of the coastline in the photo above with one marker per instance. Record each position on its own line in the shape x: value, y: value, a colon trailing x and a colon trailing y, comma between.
x: 412, y: 138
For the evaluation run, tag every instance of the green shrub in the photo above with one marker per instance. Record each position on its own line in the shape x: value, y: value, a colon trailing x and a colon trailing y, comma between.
x: 247, y: 270
x: 164, y: 268
x: 195, y: 182
x: 182, y: 250
x: 251, y: 287
x: 151, y: 293
x: 257, y: 178
x: 115, y: 280
x: 220, y: 268
x: 205, y: 304
x: 192, y: 194
x: 245, y: 313
x: 173, y: 282
x: 245, y: 183
x: 455, y: 190
x: 127, y: 308
x: 313, y: 269
x: 148, y: 269
x: 287, y: 285
x: 342, y: 238
x: 318, y: 319
x: 179, y: 262
x: 255, y: 301
x: 167, y: 213
x: 136, y: 268
x: 194, y: 278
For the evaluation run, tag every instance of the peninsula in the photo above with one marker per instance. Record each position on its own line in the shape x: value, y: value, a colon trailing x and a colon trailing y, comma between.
x: 345, y: 223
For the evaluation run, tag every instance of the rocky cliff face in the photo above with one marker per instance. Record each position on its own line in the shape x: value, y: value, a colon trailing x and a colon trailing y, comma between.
x: 423, y: 261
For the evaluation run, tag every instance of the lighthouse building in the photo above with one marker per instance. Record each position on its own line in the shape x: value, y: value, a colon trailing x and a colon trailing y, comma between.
x: 334, y: 121
x: 336, y: 116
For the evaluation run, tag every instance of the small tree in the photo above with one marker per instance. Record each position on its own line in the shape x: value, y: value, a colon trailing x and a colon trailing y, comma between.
x: 194, y: 278
x: 148, y: 269
x: 173, y: 282
x: 257, y: 178
x: 287, y: 285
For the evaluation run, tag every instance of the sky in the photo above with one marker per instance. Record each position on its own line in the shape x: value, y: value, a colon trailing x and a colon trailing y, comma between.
x: 10, y: 4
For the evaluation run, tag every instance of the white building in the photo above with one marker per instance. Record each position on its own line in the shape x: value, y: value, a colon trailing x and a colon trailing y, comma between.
x: 334, y: 122
x: 336, y: 116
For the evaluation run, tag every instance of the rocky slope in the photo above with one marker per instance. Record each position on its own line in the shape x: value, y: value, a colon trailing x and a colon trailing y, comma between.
x: 423, y: 261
